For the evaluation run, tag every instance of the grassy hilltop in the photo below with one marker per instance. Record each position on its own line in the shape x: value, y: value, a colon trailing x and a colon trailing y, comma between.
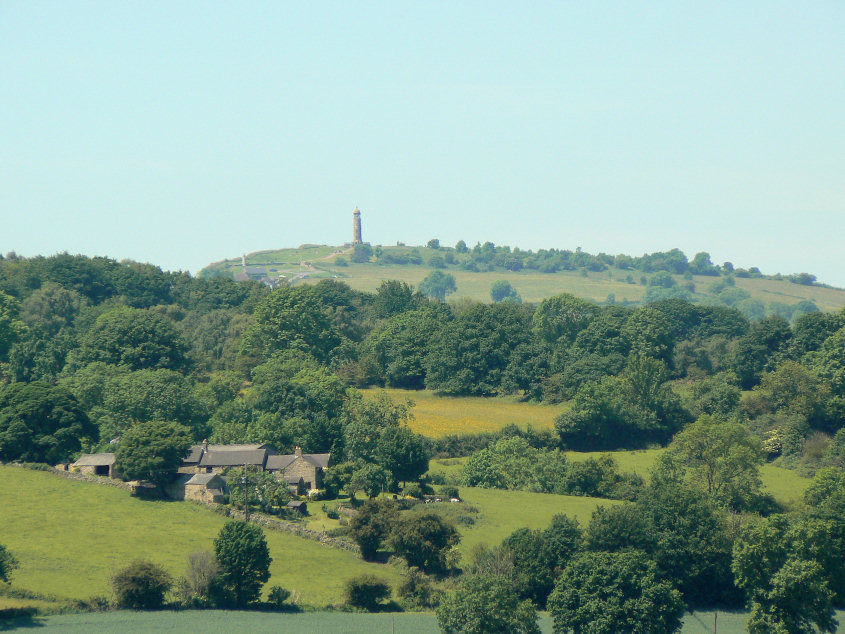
x: 311, y: 263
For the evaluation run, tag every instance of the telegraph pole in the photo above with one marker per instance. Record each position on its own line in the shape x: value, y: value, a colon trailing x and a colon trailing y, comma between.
x: 245, y: 489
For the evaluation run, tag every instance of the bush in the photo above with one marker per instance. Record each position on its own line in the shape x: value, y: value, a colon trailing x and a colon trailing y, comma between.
x: 278, y: 597
x: 141, y: 585
x: 416, y: 591
x: 195, y: 588
x: 366, y: 592
x: 450, y: 492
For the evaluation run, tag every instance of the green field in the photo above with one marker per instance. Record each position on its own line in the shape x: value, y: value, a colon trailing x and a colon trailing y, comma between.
x: 437, y: 416
x: 531, y: 285
x: 786, y: 485
x: 502, y: 512
x: 71, y: 536
x: 214, y: 621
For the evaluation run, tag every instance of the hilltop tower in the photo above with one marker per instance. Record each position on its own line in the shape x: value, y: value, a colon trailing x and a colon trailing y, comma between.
x: 356, y: 227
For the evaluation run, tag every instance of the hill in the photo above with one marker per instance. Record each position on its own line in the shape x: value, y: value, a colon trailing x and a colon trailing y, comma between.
x: 71, y: 536
x: 611, y: 282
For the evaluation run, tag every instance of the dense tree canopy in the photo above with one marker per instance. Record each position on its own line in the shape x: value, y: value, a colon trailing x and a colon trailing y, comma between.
x: 41, y: 423
x: 152, y: 451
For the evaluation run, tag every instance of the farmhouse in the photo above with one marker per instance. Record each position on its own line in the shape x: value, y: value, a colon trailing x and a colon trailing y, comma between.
x: 299, y: 470
x: 298, y: 466
x: 207, y: 458
x: 100, y: 464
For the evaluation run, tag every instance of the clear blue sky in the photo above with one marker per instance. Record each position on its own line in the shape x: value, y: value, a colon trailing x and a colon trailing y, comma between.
x: 184, y: 132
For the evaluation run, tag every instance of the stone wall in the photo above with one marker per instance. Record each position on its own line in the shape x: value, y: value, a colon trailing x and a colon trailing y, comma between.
x: 289, y: 527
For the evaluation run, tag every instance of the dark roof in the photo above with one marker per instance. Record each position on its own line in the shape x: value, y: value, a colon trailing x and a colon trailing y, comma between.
x: 206, y: 479
x: 195, y: 452
x: 95, y: 460
x: 242, y: 447
x: 258, y: 271
x: 234, y: 458
x: 194, y: 455
x: 318, y: 459
x: 281, y: 462
x: 241, y: 277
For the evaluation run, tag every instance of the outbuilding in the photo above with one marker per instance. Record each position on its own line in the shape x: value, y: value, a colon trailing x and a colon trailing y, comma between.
x: 99, y: 464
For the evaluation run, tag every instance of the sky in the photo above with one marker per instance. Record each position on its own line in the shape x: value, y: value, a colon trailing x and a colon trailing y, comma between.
x: 181, y: 133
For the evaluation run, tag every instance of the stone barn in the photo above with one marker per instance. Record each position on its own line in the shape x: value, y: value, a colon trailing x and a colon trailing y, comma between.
x: 99, y: 464
x: 199, y: 487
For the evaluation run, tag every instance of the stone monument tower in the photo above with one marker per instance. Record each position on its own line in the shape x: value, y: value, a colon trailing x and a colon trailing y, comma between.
x: 356, y: 227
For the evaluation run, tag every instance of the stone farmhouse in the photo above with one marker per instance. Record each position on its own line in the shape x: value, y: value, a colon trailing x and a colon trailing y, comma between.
x: 300, y: 471
x: 201, y: 476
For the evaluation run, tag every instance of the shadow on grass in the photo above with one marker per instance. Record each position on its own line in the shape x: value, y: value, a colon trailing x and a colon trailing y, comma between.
x: 19, y: 618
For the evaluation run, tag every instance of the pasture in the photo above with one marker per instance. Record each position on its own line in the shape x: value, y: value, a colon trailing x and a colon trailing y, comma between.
x: 785, y: 485
x: 436, y: 416
x: 70, y: 537
x: 533, y: 286
x: 213, y: 621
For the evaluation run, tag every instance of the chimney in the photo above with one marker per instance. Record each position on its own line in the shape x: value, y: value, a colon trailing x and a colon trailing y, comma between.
x: 205, y: 446
x: 298, y: 452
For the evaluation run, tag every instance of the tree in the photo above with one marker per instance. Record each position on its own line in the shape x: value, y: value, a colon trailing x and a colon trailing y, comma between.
x: 786, y: 592
x: 370, y: 478
x: 244, y: 560
x: 366, y: 592
x: 559, y: 319
x: 486, y: 603
x: 416, y: 591
x: 605, y: 593
x: 798, y: 600
x: 262, y: 489
x: 8, y: 563
x: 403, y: 453
x: 424, y: 541
x: 533, y: 574
x: 367, y: 419
x: 502, y: 291
x: 195, y: 588
x: 753, y: 351
x: 40, y: 422
x: 692, y: 547
x: 135, y: 338
x: 434, y: 243
x: 152, y: 451
x: 721, y: 458
x: 141, y: 585
x: 362, y: 253
x: 371, y: 526
x: 398, y: 347
x: 291, y: 318
x: 438, y: 284
x: 392, y: 298
x: 148, y: 395
x: 470, y: 354
x: 11, y: 326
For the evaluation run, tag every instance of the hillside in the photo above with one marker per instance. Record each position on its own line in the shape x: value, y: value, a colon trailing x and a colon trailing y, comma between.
x: 71, y: 536
x: 311, y: 263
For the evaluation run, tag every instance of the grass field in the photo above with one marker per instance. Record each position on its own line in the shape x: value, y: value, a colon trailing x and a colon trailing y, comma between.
x: 214, y: 621
x: 502, y: 512
x: 437, y: 416
x: 71, y: 536
x: 785, y: 485
x: 531, y: 285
